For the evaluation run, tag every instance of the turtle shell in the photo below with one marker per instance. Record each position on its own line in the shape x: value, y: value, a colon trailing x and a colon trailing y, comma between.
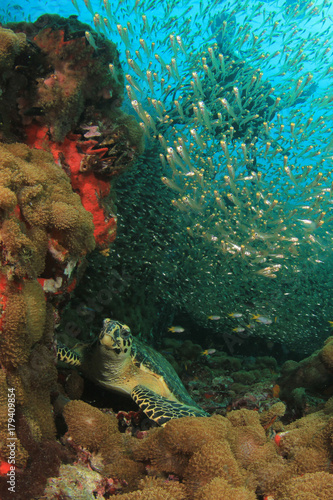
x: 146, y: 358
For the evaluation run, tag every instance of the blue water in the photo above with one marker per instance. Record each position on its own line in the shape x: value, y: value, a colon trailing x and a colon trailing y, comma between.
x: 232, y: 247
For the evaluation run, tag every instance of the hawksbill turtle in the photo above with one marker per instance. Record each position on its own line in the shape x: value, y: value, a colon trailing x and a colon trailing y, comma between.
x: 120, y: 362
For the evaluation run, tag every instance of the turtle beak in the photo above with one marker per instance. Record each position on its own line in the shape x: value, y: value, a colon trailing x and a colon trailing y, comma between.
x: 114, y: 335
x: 106, y: 341
x: 106, y: 336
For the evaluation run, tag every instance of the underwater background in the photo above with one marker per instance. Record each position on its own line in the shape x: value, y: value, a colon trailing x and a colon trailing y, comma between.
x: 168, y: 165
x: 211, y: 240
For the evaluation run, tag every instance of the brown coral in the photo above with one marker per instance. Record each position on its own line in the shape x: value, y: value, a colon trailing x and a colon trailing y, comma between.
x: 157, y: 489
x: 178, y: 435
x: 67, y: 73
x: 268, y: 417
x: 30, y: 232
x: 219, y: 488
x: 316, y: 486
x: 308, y: 459
x: 170, y: 449
x: 212, y: 460
x: 90, y: 428
x: 98, y: 433
x: 21, y: 454
x: 11, y: 45
x: 36, y: 248
x: 45, y: 199
x: 213, y: 457
x: 326, y: 354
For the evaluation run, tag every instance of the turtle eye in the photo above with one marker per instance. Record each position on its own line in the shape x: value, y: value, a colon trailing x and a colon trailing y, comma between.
x: 125, y: 333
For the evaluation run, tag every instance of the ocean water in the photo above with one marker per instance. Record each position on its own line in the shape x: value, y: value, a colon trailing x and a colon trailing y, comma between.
x: 222, y: 260
x: 225, y: 223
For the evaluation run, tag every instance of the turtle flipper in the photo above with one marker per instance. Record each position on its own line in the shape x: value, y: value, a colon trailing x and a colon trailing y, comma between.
x: 66, y: 355
x: 161, y: 409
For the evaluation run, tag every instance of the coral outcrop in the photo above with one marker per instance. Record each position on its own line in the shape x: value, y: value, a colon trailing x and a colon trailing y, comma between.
x: 67, y: 100
x: 207, y: 457
x: 61, y: 88
x: 11, y: 45
x: 44, y: 235
x: 43, y: 223
x: 64, y: 138
x: 302, y: 382
x: 97, y: 434
x: 70, y: 73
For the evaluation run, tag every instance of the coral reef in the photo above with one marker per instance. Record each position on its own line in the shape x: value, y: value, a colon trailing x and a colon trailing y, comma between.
x: 97, y: 434
x: 45, y: 234
x: 57, y: 96
x: 43, y: 223
x: 234, y: 161
x: 76, y: 481
x: 71, y: 74
x: 308, y: 379
x: 245, y: 454
x: 11, y: 45
x: 232, y: 238
x: 216, y: 457
x: 67, y: 101
x: 151, y: 488
x: 308, y: 487
x: 60, y: 99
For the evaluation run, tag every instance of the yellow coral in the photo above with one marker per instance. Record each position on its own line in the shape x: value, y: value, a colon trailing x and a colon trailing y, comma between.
x: 151, y: 488
x: 33, y: 297
x: 247, y: 444
x: 47, y: 207
x: 306, y: 459
x: 123, y: 468
x: 219, y: 488
x: 214, y: 459
x: 30, y: 184
x: 11, y: 45
x: 316, y: 486
x: 90, y: 428
x: 326, y: 354
x: 98, y: 432
x: 169, y: 449
x: 178, y: 434
x: 21, y: 455
x: 8, y: 199
x: 244, y: 417
x: 268, y: 417
x: 23, y: 321
x: 15, y: 342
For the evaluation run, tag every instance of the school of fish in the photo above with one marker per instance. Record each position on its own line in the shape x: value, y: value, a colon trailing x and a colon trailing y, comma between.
x: 247, y: 160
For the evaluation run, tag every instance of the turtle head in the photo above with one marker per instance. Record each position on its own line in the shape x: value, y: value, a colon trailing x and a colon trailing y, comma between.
x: 116, y: 339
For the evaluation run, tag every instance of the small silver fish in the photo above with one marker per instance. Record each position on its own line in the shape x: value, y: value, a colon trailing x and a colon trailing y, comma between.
x: 208, y: 352
x: 262, y: 319
x: 238, y: 329
x: 91, y: 40
x: 176, y: 329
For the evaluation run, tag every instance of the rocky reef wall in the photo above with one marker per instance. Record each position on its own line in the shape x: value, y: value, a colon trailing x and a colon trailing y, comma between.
x: 63, y: 139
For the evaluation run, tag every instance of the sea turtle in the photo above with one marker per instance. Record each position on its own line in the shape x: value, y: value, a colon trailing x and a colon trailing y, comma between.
x: 120, y: 362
